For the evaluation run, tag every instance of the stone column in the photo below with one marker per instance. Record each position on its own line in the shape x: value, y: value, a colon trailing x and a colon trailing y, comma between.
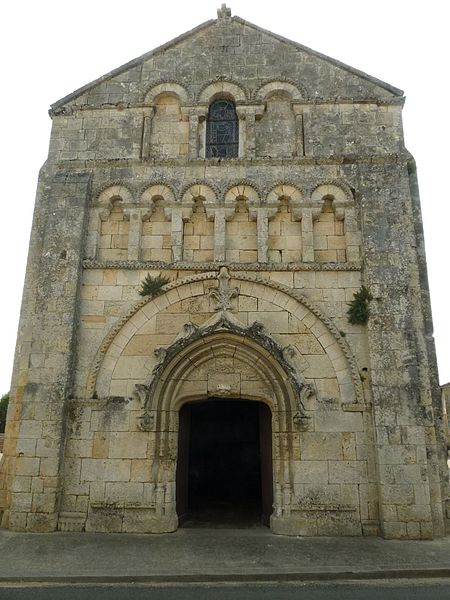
x: 247, y: 134
x: 242, y: 114
x: 299, y: 132
x: 307, y: 235
x: 219, y: 235
x: 93, y: 236
x: 146, y: 131
x: 177, y: 234
x: 263, y: 234
x: 195, y: 115
x: 134, y: 233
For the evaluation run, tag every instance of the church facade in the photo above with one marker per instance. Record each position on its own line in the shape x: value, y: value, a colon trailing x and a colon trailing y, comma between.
x: 280, y: 363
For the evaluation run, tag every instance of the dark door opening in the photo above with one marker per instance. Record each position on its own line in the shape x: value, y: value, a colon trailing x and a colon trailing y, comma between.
x: 224, y: 469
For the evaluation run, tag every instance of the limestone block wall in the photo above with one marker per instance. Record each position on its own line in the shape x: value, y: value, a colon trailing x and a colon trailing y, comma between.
x: 109, y: 477
x: 264, y: 252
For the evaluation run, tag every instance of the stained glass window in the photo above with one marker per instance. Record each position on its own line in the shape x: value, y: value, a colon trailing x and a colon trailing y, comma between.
x: 222, y: 130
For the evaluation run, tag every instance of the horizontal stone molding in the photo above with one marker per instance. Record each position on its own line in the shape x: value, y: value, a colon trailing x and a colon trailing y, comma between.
x: 130, y: 265
x: 66, y: 111
x: 356, y: 159
x: 324, y: 508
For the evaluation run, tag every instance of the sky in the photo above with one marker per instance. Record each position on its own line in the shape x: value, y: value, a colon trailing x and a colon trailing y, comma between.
x: 51, y: 48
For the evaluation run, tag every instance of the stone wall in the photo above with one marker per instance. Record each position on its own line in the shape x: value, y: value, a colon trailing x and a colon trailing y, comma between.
x: 264, y: 252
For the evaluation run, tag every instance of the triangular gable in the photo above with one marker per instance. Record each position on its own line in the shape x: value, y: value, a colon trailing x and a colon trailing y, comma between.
x: 136, y: 62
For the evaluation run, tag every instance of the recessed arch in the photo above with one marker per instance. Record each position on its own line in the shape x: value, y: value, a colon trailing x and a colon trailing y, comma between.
x: 166, y: 88
x: 115, y: 191
x: 271, y: 87
x: 226, y: 89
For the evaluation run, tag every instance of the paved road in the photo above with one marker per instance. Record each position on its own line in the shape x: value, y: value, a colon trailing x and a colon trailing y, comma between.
x: 395, y: 590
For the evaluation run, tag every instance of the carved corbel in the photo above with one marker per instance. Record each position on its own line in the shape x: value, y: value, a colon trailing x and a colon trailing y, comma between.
x: 146, y: 422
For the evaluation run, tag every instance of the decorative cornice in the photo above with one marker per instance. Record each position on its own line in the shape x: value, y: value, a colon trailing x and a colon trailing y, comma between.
x: 109, y: 163
x: 68, y: 111
x: 128, y: 265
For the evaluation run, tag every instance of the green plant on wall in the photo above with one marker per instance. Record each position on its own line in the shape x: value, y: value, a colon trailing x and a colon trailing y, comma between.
x: 152, y: 286
x: 358, y: 312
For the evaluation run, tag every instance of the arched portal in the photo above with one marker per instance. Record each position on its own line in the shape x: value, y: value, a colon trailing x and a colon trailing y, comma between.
x: 223, y: 360
x: 224, y: 464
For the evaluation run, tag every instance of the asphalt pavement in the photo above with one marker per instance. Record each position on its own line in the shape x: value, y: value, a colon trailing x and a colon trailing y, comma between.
x: 396, y: 590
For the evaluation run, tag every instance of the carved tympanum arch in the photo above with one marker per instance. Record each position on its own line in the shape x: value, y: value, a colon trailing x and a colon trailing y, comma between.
x: 166, y: 88
x: 335, y: 346
x: 217, y: 356
x: 221, y: 360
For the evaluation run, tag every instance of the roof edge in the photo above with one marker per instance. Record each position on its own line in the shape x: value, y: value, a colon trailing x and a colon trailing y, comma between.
x: 129, y: 65
x: 379, y: 82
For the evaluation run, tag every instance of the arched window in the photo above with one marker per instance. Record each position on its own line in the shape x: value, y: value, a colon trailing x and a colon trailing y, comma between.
x: 222, y: 130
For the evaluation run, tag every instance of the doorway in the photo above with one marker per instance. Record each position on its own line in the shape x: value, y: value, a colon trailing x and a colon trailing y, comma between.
x: 224, y: 468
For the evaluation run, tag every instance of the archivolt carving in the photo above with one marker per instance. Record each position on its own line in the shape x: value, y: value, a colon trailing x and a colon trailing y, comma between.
x: 165, y: 87
x: 154, y: 193
x: 238, y: 191
x: 196, y: 341
x: 155, y: 183
x: 158, y: 190
x: 339, y: 192
x: 286, y: 190
x: 279, y: 86
x: 238, y: 276
x: 199, y: 190
x: 117, y: 190
x: 295, y: 89
x: 222, y: 87
x: 200, y: 182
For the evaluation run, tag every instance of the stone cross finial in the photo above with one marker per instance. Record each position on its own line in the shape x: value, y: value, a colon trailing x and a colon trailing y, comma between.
x: 224, y: 293
x: 223, y: 12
